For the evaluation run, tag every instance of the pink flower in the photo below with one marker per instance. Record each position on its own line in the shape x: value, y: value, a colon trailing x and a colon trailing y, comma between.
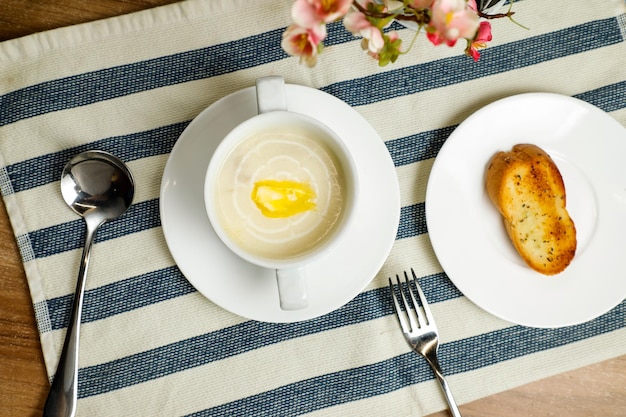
x: 309, y: 13
x: 358, y: 24
x: 305, y: 43
x: 450, y: 21
x: 480, y: 40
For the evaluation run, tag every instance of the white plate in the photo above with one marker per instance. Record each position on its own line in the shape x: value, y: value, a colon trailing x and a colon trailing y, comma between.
x: 248, y: 290
x: 467, y: 233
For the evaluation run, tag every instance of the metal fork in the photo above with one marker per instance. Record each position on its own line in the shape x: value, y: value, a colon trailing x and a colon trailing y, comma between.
x: 420, y: 330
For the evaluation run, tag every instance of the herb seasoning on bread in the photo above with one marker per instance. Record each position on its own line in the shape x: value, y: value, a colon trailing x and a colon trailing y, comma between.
x: 527, y: 188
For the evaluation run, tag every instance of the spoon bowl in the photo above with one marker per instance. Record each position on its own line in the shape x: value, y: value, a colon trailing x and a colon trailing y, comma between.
x: 99, y: 187
x: 95, y: 183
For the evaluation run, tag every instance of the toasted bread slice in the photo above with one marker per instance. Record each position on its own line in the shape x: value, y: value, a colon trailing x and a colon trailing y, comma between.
x: 527, y: 188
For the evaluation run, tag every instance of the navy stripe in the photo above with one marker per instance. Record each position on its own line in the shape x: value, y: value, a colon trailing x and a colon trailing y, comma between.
x: 122, y: 296
x: 69, y: 236
x: 145, y: 215
x: 241, y: 338
x: 88, y: 88
x: 418, y: 147
x: 426, y: 145
x: 106, y: 84
x: 83, y: 89
x: 609, y: 98
x: 409, y: 369
x: 494, y: 60
x: 45, y: 169
x: 164, y: 284
x: 110, y: 83
x: 412, y: 221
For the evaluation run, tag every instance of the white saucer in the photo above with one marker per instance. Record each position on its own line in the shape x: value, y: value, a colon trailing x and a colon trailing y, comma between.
x: 248, y: 290
x: 467, y: 233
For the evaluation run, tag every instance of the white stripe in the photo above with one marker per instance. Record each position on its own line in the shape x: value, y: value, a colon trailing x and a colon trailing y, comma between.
x: 415, y: 252
x: 130, y: 38
x: 111, y: 261
x: 153, y: 329
x: 146, y: 171
x: 413, y: 179
x: 149, y: 328
x: 442, y: 107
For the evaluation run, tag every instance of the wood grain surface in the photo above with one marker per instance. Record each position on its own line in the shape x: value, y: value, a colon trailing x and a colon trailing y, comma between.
x: 596, y: 390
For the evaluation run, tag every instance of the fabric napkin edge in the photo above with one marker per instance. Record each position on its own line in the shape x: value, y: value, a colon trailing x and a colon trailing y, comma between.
x: 31, y: 46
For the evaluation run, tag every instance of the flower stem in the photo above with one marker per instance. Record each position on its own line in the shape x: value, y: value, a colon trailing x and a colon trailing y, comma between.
x: 495, y: 16
x: 420, y: 17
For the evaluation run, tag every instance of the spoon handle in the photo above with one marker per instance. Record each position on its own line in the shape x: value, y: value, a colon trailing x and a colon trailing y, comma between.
x: 62, y: 398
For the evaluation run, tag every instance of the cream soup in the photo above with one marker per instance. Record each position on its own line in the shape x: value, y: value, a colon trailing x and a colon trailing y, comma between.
x: 280, y: 193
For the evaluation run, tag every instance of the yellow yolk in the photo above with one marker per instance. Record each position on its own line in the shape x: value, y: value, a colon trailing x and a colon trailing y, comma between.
x: 279, y: 199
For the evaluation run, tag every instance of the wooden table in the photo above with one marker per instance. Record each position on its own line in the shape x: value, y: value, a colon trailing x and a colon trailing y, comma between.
x: 597, y: 390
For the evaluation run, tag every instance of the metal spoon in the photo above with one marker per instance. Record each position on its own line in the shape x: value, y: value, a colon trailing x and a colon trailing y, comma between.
x: 99, y: 187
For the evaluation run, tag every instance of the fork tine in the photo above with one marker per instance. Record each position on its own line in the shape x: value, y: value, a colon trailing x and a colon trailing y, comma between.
x: 423, y: 301
x: 399, y: 314
x: 413, y: 318
x: 420, y: 317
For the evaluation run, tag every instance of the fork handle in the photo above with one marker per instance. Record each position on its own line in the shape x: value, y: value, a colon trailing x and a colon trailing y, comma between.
x: 434, y: 364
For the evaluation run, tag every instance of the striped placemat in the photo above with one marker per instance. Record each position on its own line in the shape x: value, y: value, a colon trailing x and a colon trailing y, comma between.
x: 151, y: 344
